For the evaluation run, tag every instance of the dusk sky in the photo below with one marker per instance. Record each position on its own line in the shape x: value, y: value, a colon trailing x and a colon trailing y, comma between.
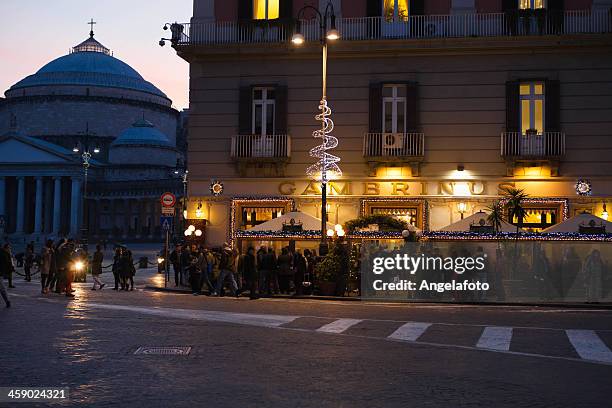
x: 36, y: 32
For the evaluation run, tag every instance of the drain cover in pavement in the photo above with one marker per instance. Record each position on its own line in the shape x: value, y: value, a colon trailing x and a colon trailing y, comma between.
x: 164, y: 351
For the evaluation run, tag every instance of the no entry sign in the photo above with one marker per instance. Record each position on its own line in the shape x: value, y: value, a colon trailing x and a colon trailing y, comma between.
x: 168, y: 200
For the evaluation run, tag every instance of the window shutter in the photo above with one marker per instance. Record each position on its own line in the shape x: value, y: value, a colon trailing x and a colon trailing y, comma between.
x: 508, y: 5
x: 374, y: 8
x: 375, y: 108
x: 281, y: 108
x: 552, y: 102
x: 245, y: 117
x: 245, y: 9
x: 417, y: 8
x: 286, y: 9
x: 512, y: 106
x: 412, y: 108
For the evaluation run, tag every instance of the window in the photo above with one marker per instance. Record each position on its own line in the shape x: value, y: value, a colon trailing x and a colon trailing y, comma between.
x: 253, y: 216
x: 537, y: 219
x: 394, y: 109
x: 532, y: 106
x: 408, y: 215
x: 263, y: 111
x: 395, y: 10
x: 531, y: 4
x: 266, y: 9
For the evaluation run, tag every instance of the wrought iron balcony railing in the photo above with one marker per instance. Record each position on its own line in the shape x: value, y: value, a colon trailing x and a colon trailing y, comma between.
x: 394, y: 145
x: 416, y: 27
x: 253, y: 147
x: 547, y: 145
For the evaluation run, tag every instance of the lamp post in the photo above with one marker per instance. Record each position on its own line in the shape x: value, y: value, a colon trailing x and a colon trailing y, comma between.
x: 182, y: 172
x: 327, y: 163
x: 87, y: 150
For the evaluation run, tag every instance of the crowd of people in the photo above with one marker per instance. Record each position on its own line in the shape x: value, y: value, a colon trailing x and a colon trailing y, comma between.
x: 259, y: 272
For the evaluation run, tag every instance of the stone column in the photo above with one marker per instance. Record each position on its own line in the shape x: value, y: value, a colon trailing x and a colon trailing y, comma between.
x: 20, y: 205
x: 75, y: 206
x: 38, y: 213
x: 112, y: 203
x: 2, y: 195
x: 57, y: 205
x: 47, y: 207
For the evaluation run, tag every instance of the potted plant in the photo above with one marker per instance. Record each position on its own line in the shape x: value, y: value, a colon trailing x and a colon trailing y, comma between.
x: 327, y: 272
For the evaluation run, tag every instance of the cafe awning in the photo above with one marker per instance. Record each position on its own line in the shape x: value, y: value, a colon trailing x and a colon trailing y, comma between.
x: 582, y: 222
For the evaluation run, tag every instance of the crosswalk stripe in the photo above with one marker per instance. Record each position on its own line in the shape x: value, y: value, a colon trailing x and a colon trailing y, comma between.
x: 338, y: 326
x: 410, y: 331
x: 589, y: 346
x: 495, y: 338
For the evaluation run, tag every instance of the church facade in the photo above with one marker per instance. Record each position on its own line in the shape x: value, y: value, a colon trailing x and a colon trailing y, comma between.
x: 87, y: 147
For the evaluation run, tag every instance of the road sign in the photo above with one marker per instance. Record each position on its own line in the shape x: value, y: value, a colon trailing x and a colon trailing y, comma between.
x: 168, y: 200
x: 167, y: 211
x: 166, y: 223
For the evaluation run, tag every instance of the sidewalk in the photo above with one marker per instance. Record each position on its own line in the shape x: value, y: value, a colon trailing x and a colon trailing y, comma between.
x: 187, y: 291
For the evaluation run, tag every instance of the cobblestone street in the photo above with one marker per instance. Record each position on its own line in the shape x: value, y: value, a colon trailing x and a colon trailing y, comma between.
x: 299, y: 352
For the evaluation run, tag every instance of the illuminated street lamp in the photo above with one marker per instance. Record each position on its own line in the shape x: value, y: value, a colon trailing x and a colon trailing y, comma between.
x: 87, y: 150
x: 327, y: 163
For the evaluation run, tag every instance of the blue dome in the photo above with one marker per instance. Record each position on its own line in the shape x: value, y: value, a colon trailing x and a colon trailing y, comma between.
x: 142, y: 133
x: 89, y: 65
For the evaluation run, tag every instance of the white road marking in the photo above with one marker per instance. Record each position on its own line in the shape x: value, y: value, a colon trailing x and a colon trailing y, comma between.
x: 410, y: 331
x: 339, y: 326
x: 495, y: 338
x: 262, y: 320
x: 589, y: 346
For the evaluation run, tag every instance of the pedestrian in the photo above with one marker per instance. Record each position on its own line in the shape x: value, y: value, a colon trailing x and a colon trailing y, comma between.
x: 28, y: 261
x: 184, y: 264
x: 193, y: 268
x: 227, y: 269
x: 58, y: 278
x: 46, y: 258
x: 175, y: 260
x: 126, y: 270
x: 6, y: 264
x: 205, y: 266
x: 250, y: 272
x: 593, y: 276
x: 284, y: 270
x: 96, y: 268
x: 116, y: 267
x: 65, y: 267
x: 271, y: 266
x: 300, y: 266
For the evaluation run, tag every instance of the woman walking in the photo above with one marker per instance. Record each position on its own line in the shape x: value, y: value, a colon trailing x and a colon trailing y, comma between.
x: 96, y: 268
x: 46, y: 259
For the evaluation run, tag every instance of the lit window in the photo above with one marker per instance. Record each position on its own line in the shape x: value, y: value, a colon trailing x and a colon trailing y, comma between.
x: 263, y: 111
x: 266, y: 9
x: 532, y: 107
x: 394, y: 109
x: 531, y: 4
x: 395, y: 10
x: 409, y: 214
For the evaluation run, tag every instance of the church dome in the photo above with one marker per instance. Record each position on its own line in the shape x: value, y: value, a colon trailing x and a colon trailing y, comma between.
x: 89, y: 64
x: 142, y: 133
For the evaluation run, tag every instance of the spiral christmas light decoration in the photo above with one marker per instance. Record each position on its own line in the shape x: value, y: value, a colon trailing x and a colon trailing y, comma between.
x: 327, y: 167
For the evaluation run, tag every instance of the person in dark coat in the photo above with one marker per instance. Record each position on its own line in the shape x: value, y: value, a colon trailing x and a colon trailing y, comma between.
x: 250, y: 272
x: 284, y: 270
x: 6, y: 264
x: 299, y: 264
x: 65, y: 266
x: 96, y: 268
x: 175, y: 260
x: 126, y: 270
x: 116, y: 267
x: 28, y: 262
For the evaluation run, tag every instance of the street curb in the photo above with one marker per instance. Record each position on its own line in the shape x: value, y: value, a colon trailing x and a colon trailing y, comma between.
x: 607, y: 306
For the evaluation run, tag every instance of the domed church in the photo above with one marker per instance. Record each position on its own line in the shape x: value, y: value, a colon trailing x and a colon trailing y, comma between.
x: 87, y: 147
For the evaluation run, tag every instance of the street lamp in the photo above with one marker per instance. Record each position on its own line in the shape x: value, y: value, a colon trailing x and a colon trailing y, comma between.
x: 327, y: 163
x: 87, y: 150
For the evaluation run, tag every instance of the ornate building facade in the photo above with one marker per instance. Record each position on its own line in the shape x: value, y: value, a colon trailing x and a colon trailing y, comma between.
x: 87, y: 103
x: 438, y: 106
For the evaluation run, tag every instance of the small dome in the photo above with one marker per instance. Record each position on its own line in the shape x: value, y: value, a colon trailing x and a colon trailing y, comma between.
x: 89, y: 64
x: 142, y: 133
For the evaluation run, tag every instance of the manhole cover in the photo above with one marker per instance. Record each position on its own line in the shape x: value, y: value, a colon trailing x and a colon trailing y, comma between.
x: 164, y: 351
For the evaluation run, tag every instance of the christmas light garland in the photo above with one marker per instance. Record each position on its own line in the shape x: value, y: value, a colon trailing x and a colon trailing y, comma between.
x: 327, y: 166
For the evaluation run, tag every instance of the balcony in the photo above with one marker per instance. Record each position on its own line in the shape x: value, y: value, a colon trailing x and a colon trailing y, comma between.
x: 258, y: 155
x: 417, y: 27
x: 381, y: 149
x: 533, y: 147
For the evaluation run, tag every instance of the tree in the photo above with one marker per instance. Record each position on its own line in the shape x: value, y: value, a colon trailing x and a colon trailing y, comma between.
x: 495, y: 216
x: 514, y: 205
